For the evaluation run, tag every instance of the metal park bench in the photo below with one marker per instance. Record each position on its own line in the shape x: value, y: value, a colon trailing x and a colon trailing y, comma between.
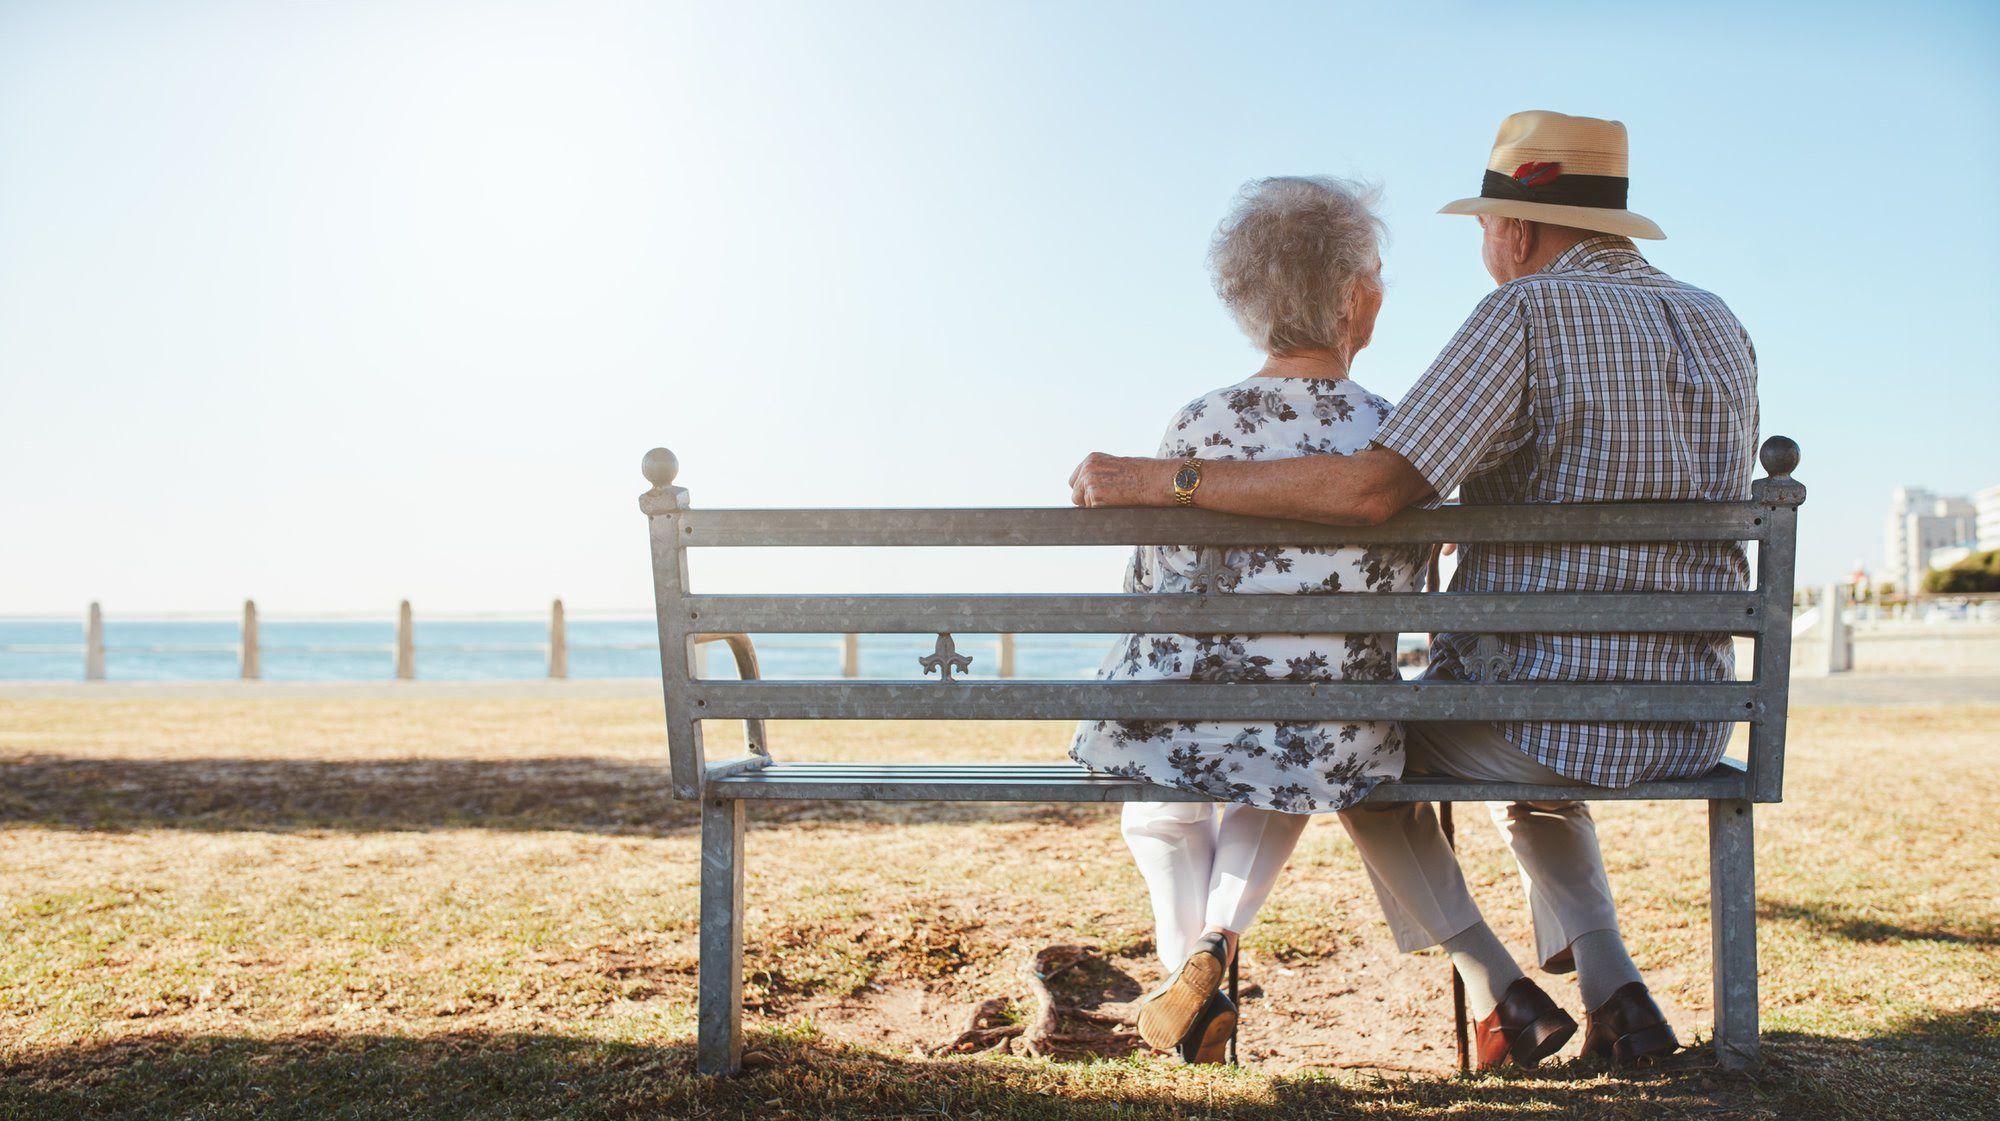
x: 687, y: 619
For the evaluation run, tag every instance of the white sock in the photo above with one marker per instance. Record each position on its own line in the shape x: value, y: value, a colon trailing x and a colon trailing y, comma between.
x: 1486, y: 966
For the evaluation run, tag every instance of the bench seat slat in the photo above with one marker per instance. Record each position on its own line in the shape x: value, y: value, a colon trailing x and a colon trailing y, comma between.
x: 1059, y: 782
x: 1119, y: 700
x: 1050, y: 768
x: 1587, y: 522
x: 1730, y: 612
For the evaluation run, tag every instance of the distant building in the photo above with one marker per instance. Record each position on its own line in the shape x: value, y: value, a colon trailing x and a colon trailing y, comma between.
x: 1986, y: 517
x: 1921, y: 522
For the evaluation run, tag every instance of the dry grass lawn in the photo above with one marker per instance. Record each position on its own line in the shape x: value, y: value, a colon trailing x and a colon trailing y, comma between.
x: 462, y: 907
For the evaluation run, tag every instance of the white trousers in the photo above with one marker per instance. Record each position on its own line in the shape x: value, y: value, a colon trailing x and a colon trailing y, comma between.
x: 1207, y: 864
x: 1418, y: 880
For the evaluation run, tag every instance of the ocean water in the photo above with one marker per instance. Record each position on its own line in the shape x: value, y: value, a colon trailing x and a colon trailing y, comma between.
x: 478, y: 650
x: 486, y: 650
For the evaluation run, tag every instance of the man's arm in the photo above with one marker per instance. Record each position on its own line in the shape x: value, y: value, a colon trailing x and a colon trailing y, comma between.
x: 1360, y: 489
x: 1467, y: 412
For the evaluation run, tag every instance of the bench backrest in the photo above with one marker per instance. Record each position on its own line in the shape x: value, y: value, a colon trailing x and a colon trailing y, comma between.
x: 1764, y: 614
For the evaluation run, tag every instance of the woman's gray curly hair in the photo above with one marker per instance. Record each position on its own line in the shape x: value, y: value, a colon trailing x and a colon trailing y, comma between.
x: 1287, y: 258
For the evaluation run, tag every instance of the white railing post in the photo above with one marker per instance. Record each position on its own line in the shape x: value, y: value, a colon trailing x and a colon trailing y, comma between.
x: 253, y: 664
x: 93, y: 644
x: 558, y: 643
x: 1006, y: 655
x: 850, y: 655
x: 406, y: 646
x: 1839, y: 638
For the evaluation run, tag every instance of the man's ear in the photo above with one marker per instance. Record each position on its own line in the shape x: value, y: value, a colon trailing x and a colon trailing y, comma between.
x: 1521, y: 238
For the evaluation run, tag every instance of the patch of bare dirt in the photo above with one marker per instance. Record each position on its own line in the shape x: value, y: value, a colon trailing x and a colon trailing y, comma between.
x: 1359, y: 1006
x: 1356, y: 1008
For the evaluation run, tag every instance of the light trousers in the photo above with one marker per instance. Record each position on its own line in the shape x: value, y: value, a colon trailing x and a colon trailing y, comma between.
x: 1416, y: 875
x: 1206, y: 864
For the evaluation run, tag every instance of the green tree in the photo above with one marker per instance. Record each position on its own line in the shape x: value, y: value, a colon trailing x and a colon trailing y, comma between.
x: 1979, y: 572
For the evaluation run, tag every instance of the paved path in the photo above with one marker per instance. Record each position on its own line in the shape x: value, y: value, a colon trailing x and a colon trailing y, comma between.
x: 1896, y: 689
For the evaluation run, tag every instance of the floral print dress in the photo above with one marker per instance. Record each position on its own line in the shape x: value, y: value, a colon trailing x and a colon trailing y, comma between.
x: 1294, y: 767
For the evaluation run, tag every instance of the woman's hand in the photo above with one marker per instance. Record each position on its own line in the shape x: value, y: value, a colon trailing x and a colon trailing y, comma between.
x: 1120, y: 480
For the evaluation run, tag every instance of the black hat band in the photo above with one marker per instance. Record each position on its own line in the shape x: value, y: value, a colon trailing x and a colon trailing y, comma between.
x: 1605, y: 192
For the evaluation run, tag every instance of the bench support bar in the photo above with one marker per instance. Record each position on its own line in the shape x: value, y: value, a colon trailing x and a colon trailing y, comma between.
x: 719, y: 1043
x: 1732, y: 875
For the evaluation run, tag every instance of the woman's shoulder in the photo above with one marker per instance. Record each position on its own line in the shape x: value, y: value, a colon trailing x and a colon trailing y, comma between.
x: 1201, y: 427
x: 1337, y: 415
x: 1268, y: 417
x: 1299, y: 389
x: 1373, y: 407
x: 1218, y: 398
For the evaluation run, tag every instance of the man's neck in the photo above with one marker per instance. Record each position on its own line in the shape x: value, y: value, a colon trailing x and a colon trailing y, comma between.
x: 1552, y: 242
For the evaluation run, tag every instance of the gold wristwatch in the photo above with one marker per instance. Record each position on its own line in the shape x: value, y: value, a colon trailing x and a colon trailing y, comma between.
x: 1185, y: 480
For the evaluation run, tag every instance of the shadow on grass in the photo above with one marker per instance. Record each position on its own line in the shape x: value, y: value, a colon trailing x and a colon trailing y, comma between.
x: 571, y: 793
x: 526, y: 1075
x: 1944, y: 1066
x: 1845, y: 921
x: 547, y: 1076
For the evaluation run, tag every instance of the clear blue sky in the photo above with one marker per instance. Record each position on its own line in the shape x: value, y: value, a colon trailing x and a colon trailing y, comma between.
x: 334, y: 304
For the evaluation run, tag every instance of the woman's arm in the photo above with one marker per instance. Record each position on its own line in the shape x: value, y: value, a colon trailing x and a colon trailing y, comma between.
x: 1360, y: 489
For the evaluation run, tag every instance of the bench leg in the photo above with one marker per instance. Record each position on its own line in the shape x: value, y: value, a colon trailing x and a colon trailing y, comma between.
x: 719, y: 1042
x: 1732, y: 885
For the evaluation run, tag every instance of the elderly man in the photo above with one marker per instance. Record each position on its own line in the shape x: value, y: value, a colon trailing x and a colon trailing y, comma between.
x: 1586, y: 376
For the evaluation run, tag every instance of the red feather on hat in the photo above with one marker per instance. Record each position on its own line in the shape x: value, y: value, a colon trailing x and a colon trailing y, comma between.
x: 1536, y: 174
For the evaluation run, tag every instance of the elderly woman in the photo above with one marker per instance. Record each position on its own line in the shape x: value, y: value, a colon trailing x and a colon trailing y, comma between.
x: 1298, y: 264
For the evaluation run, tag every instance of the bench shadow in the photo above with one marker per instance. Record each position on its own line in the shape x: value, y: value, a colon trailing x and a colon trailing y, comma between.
x: 577, y: 793
x: 500, y: 1075
x: 1845, y: 921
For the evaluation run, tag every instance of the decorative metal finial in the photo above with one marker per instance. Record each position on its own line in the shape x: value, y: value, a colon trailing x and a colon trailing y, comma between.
x: 1488, y: 663
x: 1780, y: 456
x: 660, y: 466
x: 946, y: 659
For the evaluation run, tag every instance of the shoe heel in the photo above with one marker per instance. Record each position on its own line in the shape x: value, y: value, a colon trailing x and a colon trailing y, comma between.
x: 1166, y: 1019
x: 1543, y: 1038
x: 1646, y: 1043
x: 1209, y: 1043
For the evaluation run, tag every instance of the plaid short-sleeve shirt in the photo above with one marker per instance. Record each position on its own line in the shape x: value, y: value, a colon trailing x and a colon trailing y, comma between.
x: 1598, y: 379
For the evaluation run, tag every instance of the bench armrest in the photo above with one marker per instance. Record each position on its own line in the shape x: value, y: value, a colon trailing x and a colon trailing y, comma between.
x: 756, y: 746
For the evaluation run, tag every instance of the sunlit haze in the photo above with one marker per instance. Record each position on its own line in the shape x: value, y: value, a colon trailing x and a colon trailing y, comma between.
x: 338, y: 304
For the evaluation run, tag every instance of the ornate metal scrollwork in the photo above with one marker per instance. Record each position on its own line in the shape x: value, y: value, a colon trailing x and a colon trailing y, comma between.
x: 946, y: 659
x: 1213, y: 571
x: 1488, y: 663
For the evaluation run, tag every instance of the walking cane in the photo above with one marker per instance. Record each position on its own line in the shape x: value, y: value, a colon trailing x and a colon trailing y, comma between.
x: 1233, y: 999
x: 1458, y: 1025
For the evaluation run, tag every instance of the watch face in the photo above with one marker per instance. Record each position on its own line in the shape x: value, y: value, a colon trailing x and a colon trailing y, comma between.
x: 1186, y: 478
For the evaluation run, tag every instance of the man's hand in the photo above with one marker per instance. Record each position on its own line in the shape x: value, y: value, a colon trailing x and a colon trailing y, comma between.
x: 1120, y: 480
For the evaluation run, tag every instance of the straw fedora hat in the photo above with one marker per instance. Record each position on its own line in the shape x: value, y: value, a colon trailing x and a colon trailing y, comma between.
x: 1569, y: 171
